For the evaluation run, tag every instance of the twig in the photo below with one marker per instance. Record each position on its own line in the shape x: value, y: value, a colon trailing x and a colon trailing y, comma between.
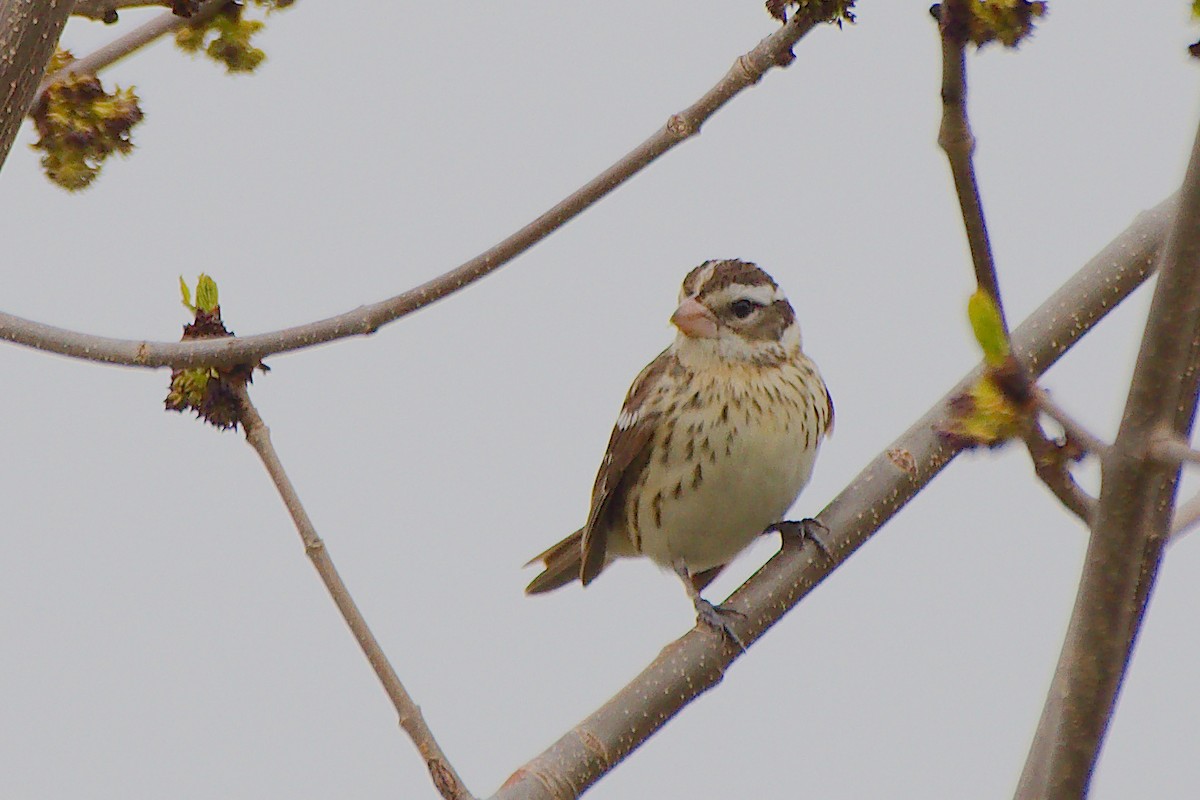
x: 1187, y: 514
x: 1053, y: 466
x: 1171, y: 449
x: 695, y: 663
x: 956, y: 139
x: 1131, y: 527
x: 106, y: 10
x: 411, y: 720
x: 1186, y: 517
x: 1075, y: 430
x: 136, y: 39
x: 748, y: 69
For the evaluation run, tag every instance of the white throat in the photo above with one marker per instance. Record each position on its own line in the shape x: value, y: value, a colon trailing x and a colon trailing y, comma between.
x: 730, y: 348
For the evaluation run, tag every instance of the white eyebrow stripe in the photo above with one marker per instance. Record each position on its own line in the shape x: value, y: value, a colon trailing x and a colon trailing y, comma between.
x: 763, y: 294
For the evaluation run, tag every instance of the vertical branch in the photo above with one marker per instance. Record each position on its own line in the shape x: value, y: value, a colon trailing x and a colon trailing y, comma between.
x: 957, y: 141
x: 447, y: 781
x: 29, y: 31
x: 1050, y: 461
x: 1131, y: 524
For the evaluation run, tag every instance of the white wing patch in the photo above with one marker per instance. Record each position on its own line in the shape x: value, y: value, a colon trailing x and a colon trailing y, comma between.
x: 628, y: 418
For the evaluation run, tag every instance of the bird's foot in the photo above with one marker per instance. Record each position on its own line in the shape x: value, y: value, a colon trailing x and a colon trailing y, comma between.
x: 718, y: 618
x: 811, y: 529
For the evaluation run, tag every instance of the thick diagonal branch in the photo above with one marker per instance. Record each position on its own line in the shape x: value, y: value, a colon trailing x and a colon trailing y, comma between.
x: 1132, y: 522
x: 695, y: 663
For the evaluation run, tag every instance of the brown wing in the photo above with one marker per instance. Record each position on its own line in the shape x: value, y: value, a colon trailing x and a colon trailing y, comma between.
x: 625, y: 457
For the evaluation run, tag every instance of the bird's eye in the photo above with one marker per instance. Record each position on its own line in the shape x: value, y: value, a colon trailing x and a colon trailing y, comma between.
x: 744, y: 308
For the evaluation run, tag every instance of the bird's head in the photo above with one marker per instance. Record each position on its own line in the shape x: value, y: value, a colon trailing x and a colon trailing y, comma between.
x: 733, y: 311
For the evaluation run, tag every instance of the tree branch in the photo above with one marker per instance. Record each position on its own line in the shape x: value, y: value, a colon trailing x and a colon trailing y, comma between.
x: 1052, y: 463
x: 957, y: 141
x: 1172, y: 449
x: 106, y: 10
x: 695, y: 663
x: 1186, y: 517
x: 132, y: 41
x: 411, y: 720
x: 1132, y: 519
x: 1075, y: 430
x: 748, y: 69
x: 29, y: 31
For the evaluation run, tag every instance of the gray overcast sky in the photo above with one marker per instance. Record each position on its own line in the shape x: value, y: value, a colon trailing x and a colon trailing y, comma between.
x: 164, y: 634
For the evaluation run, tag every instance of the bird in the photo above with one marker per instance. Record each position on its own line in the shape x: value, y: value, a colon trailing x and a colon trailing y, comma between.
x: 715, y: 440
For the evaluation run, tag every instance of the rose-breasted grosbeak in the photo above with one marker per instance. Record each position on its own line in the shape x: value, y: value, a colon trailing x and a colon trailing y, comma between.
x: 715, y: 440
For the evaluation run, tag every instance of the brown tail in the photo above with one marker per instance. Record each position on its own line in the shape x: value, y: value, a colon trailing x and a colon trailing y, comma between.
x: 563, y: 563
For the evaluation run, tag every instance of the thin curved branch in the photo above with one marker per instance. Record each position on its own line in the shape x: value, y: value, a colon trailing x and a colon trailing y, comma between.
x: 748, y: 69
x: 29, y: 31
x: 447, y: 781
x: 1132, y: 520
x: 132, y: 41
x: 1052, y: 463
x: 695, y: 663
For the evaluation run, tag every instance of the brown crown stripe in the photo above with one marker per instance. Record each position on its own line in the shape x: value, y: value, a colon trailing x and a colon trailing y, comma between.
x: 689, y: 282
x: 730, y: 273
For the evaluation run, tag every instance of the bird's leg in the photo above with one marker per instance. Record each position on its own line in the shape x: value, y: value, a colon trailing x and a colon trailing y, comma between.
x: 810, y: 529
x: 714, y: 617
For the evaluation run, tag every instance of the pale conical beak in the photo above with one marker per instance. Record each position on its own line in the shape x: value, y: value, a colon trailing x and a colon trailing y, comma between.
x: 694, y: 320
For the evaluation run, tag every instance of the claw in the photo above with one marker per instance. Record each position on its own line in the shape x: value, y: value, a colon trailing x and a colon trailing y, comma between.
x: 810, y: 529
x: 718, y: 618
x: 714, y: 617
